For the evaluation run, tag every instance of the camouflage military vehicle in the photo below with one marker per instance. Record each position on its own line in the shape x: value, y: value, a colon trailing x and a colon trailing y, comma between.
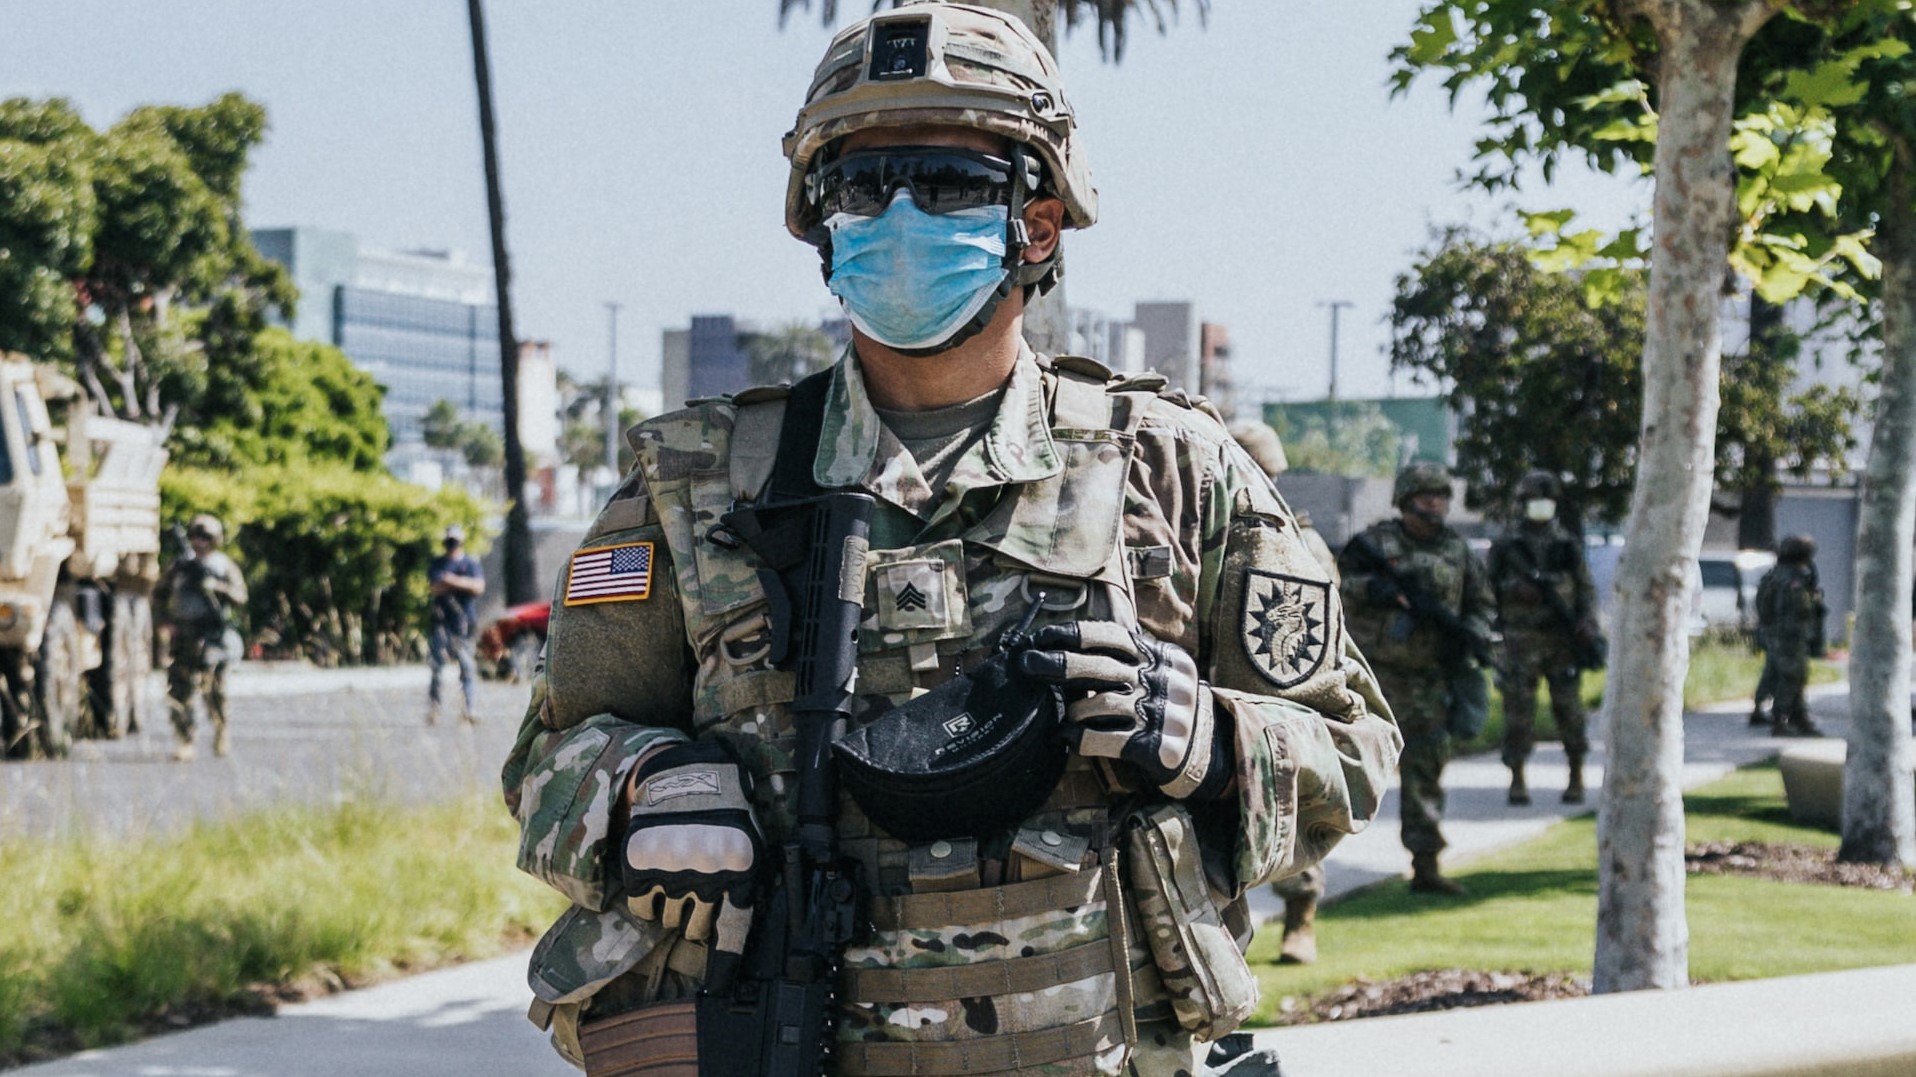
x: 79, y: 555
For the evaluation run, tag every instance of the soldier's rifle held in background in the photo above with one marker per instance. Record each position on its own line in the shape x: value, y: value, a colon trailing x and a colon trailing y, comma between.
x: 1459, y: 638
x: 1591, y: 651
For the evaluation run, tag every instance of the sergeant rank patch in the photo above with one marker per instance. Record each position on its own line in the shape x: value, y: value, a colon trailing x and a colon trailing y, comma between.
x: 1286, y: 629
x: 621, y: 573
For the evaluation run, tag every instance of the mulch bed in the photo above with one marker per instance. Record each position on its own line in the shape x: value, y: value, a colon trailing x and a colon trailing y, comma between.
x: 1792, y: 864
x: 1422, y: 992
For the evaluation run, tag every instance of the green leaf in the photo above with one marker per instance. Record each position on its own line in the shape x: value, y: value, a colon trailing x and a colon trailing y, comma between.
x: 1832, y: 83
x: 1434, y: 36
x: 1548, y: 223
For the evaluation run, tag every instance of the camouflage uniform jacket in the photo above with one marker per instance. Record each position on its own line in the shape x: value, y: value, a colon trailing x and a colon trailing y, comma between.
x: 1552, y: 552
x: 1789, y: 608
x: 198, y: 595
x: 1444, y: 568
x: 1103, y: 494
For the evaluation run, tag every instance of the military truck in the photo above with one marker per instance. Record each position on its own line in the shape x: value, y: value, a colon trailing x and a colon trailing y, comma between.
x: 79, y: 558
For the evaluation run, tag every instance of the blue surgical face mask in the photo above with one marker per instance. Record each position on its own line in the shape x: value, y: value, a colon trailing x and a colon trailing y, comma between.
x: 911, y: 279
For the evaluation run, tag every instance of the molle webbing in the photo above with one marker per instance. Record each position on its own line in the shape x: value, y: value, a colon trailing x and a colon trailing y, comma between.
x: 1015, y: 975
x: 1014, y: 1052
x: 926, y: 912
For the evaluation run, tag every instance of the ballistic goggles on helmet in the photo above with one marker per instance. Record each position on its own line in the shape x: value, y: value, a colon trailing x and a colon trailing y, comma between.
x: 940, y: 179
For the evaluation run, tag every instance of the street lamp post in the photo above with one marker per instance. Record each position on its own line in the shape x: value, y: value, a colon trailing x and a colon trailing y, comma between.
x: 1336, y: 306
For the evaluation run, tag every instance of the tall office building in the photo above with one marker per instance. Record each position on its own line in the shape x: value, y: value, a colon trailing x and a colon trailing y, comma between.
x: 421, y: 322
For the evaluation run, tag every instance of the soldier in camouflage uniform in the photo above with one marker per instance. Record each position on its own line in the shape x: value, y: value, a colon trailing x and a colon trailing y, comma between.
x: 1535, y: 556
x: 1414, y: 655
x: 1300, y: 892
x: 1216, y: 701
x: 1790, y: 612
x: 199, y: 593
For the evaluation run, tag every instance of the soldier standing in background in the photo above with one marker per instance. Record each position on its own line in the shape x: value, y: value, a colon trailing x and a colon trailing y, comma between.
x: 199, y: 593
x: 1219, y: 725
x: 1547, y: 610
x: 1789, y: 613
x: 1420, y: 609
x: 1300, y: 892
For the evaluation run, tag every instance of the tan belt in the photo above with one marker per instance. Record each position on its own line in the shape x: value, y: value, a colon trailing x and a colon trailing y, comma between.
x: 1012, y: 1052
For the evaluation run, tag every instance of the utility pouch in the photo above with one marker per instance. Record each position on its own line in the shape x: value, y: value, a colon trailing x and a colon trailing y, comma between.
x: 1211, y: 987
x: 1399, y: 626
x: 659, y: 1040
x: 1467, y: 709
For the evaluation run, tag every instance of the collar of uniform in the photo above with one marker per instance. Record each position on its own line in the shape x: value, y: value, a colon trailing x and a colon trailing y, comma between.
x: 1017, y: 448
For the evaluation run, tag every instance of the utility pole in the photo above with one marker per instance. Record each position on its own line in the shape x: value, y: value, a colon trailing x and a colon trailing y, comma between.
x: 612, y: 388
x: 521, y: 578
x: 1336, y: 306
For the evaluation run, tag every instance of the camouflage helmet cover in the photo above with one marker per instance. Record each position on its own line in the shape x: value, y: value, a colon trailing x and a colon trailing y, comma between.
x: 1262, y: 445
x: 1421, y: 477
x: 207, y: 525
x: 985, y: 70
x: 1796, y: 548
x: 1539, y: 483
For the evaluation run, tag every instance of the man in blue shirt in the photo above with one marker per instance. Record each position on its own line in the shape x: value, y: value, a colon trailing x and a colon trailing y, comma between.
x: 456, y: 581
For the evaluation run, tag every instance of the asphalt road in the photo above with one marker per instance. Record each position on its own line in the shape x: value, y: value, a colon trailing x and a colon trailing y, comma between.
x: 299, y: 735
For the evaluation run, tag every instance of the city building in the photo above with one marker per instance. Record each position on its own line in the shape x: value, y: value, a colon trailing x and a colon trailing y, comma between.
x: 421, y: 322
x: 713, y: 356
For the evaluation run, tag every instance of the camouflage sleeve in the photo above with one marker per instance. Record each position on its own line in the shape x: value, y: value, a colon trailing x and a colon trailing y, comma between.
x: 1354, y: 578
x: 1316, y: 744
x: 616, y: 682
x: 1480, y: 605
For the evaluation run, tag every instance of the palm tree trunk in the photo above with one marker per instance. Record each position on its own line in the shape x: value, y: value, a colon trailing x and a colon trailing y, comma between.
x: 1879, y: 805
x: 1642, y: 937
x: 521, y: 584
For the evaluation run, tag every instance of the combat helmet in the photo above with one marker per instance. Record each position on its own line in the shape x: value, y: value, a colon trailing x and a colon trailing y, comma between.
x: 1797, y: 549
x: 1538, y: 483
x: 1262, y: 445
x: 1420, y: 477
x: 208, y: 525
x: 953, y: 65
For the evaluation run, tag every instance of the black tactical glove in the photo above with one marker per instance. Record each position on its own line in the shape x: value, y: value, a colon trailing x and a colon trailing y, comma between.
x: 1383, y: 591
x: 692, y: 845
x: 1146, y: 705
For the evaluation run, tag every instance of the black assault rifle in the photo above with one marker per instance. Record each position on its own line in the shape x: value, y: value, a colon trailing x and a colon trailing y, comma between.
x: 1458, y: 639
x: 768, y: 1010
x: 1592, y: 652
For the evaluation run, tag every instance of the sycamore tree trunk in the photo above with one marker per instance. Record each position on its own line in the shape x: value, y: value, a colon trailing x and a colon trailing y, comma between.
x: 521, y: 582
x: 1879, y: 804
x: 1642, y: 937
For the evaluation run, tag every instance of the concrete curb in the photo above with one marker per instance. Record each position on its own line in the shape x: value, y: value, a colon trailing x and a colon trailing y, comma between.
x: 1835, y: 1024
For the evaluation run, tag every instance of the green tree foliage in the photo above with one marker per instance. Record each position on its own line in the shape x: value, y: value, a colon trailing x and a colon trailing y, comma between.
x: 785, y: 354
x: 1360, y: 441
x: 335, y: 557
x: 1539, y: 376
x: 444, y: 428
x: 309, y: 403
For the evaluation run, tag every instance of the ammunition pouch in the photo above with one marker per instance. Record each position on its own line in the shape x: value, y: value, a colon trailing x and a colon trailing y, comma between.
x: 1466, y: 702
x: 1211, y: 987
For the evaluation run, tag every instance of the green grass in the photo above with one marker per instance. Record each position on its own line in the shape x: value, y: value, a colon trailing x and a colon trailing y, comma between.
x: 1721, y: 668
x: 1533, y: 908
x: 99, y: 938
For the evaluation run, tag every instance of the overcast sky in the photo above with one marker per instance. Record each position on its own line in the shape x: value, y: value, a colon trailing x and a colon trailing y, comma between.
x: 1256, y: 165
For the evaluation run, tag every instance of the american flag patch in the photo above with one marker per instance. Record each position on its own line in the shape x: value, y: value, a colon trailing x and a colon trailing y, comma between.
x: 609, y: 574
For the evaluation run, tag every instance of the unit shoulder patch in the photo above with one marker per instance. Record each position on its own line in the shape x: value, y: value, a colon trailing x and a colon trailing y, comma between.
x: 1285, y: 628
x: 619, y: 573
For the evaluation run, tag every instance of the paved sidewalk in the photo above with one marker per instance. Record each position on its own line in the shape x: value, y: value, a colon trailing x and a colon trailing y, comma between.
x: 471, y: 1019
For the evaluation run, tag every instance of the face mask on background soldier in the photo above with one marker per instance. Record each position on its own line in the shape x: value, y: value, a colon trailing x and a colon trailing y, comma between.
x: 1540, y: 510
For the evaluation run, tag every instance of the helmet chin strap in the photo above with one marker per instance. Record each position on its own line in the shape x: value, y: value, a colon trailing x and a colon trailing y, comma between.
x: 1018, y: 273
